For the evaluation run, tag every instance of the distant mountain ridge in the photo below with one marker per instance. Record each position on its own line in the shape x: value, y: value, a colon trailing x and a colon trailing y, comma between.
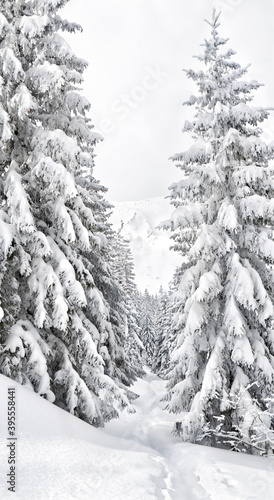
x: 154, y: 262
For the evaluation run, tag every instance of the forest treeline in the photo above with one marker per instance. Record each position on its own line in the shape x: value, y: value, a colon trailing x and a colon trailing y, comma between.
x: 73, y: 326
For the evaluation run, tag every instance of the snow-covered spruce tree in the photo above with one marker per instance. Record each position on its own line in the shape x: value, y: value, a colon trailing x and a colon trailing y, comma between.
x: 123, y: 266
x: 162, y: 349
x: 160, y: 354
x: 148, y: 305
x: 170, y: 321
x: 111, y: 346
x: 56, y: 318
x: 168, y: 312
x: 223, y: 221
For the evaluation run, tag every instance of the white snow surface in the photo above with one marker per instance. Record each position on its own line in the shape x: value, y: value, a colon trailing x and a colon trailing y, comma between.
x: 154, y: 262
x: 134, y: 458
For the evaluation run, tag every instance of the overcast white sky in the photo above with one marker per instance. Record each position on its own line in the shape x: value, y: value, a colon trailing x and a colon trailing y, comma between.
x: 136, y: 51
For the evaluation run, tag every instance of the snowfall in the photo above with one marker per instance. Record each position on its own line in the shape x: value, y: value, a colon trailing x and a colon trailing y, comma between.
x: 135, y: 457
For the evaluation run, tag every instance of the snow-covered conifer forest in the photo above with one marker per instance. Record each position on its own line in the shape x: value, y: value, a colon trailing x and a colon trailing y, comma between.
x: 192, y: 363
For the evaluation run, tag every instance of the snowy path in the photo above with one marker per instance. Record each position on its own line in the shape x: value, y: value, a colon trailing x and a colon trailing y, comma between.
x: 190, y: 472
x: 135, y: 457
x: 152, y: 427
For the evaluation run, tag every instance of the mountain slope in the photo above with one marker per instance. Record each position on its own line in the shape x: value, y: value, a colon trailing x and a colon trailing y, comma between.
x: 154, y: 262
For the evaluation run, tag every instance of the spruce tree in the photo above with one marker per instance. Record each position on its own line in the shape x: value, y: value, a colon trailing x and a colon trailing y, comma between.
x: 223, y: 222
x: 56, y: 326
x: 123, y: 267
x: 148, y: 309
x: 162, y: 350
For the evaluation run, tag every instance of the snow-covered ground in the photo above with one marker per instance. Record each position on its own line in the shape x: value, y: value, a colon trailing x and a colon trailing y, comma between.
x: 134, y: 458
x: 154, y: 262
